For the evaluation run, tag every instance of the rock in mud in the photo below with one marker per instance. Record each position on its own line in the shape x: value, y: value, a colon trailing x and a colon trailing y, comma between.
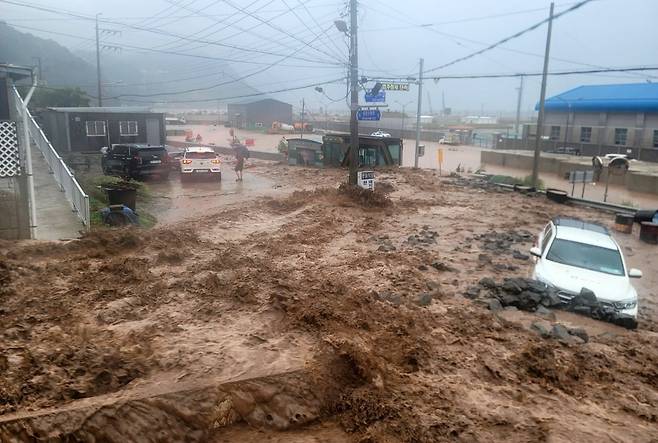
x: 544, y: 312
x: 561, y: 333
x: 442, y: 267
x: 520, y: 256
x: 487, y: 282
x: 580, y: 332
x: 540, y: 329
x: 424, y: 299
x: 391, y: 298
x: 494, y: 305
x: 472, y: 292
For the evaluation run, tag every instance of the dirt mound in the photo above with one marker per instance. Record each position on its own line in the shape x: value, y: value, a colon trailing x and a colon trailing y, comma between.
x: 66, y: 364
x: 364, y: 197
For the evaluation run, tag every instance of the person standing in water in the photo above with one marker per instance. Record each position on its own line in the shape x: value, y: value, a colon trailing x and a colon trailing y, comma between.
x: 239, y: 162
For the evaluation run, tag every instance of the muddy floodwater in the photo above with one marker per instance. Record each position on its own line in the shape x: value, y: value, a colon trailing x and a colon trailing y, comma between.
x: 287, y: 308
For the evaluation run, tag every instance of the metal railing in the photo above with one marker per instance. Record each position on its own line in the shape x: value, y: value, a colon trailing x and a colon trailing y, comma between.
x: 78, y: 199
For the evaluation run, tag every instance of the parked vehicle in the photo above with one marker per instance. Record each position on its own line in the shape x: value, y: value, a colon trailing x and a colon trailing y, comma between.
x: 200, y: 161
x: 572, y: 254
x: 135, y: 161
x: 380, y: 133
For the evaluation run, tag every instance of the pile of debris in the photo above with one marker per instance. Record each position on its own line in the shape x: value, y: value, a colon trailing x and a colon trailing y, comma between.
x: 502, y: 242
x: 425, y: 237
x: 533, y: 296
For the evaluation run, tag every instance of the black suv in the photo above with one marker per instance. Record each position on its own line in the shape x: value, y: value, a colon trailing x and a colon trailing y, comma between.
x: 135, y: 161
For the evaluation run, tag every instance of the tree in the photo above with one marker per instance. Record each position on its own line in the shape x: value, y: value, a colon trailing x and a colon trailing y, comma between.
x: 69, y: 97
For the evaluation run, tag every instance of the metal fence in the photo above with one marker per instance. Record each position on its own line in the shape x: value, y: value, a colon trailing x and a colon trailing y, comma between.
x: 78, y: 199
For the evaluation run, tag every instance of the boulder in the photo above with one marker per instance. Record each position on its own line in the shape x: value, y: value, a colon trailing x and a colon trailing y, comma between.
x: 561, y: 333
x: 424, y: 299
x: 580, y: 332
x: 585, y: 298
x: 546, y: 313
x: 488, y: 283
x: 494, y: 305
x: 540, y: 329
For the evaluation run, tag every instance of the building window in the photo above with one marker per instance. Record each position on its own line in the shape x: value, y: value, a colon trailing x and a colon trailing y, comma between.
x: 555, y: 132
x: 585, y: 134
x: 95, y: 128
x: 128, y: 128
x: 655, y: 138
x: 620, y: 136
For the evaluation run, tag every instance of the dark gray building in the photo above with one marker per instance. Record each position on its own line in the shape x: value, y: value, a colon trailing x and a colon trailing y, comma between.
x: 259, y: 113
x: 88, y: 129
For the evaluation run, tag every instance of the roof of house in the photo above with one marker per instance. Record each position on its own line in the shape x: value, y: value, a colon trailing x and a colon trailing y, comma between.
x: 104, y: 109
x: 251, y: 101
x: 627, y: 97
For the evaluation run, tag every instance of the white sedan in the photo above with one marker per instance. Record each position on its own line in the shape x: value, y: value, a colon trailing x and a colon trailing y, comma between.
x: 573, y: 254
x: 200, y: 161
x: 380, y: 133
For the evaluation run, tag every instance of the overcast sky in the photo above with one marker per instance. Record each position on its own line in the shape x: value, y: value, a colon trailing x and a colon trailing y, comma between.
x: 306, y: 46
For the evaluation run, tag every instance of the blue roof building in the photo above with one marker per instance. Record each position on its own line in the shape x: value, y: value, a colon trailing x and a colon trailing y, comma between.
x: 629, y: 97
x: 601, y: 119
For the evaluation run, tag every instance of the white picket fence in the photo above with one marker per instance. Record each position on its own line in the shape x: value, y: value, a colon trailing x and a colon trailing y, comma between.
x: 63, y: 176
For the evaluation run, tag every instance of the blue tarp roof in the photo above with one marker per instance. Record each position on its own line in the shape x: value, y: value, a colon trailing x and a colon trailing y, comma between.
x: 629, y: 97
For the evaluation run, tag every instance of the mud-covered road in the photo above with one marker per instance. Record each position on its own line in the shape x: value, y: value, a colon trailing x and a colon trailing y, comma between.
x: 292, y: 311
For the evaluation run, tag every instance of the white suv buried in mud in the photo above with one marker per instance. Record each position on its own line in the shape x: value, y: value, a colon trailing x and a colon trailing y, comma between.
x: 572, y: 254
x: 200, y: 160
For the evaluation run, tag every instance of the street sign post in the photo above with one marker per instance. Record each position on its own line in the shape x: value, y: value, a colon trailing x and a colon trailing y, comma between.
x: 369, y: 114
x: 380, y: 97
x: 395, y: 87
x: 439, y: 158
x: 583, y: 177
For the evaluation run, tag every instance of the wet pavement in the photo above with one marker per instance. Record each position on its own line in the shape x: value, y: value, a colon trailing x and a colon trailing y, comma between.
x: 175, y: 200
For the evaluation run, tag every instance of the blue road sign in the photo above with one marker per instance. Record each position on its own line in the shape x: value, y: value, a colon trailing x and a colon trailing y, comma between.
x: 368, y: 114
x: 379, y: 98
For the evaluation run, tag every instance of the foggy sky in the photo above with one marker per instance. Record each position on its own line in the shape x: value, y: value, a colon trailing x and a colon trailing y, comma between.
x: 607, y: 33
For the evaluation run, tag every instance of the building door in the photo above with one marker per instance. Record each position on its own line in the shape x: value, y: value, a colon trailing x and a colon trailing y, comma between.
x: 153, y: 131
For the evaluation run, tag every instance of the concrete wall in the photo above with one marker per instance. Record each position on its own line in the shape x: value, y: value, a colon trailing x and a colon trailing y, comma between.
x: 633, y: 180
x: 640, y: 127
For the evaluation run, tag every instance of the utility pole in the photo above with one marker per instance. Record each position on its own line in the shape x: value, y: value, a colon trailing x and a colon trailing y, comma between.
x: 518, y: 109
x: 418, y: 112
x: 354, y: 92
x: 98, y: 64
x: 302, y: 133
x: 542, y: 100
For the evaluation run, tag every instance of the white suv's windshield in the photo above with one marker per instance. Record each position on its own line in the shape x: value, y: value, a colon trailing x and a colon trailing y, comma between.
x: 581, y: 255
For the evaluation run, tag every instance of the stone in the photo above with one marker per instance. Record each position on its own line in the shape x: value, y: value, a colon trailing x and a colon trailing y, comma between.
x: 520, y: 256
x: 561, y: 333
x: 494, y: 305
x: 442, y: 267
x: 424, y: 299
x: 551, y: 299
x: 546, y: 313
x: 472, y: 292
x: 585, y: 298
x: 540, y: 329
x: 488, y: 282
x: 422, y: 268
x: 433, y: 285
x: 582, y: 310
x: 581, y: 333
x: 512, y: 286
x: 484, y: 258
x: 389, y: 297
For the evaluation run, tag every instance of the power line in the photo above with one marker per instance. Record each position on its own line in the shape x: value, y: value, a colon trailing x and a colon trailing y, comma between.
x: 271, y: 65
x: 529, y: 74
x: 511, y: 37
x: 151, y: 30
x: 267, y: 23
x: 255, y: 94
x: 184, y: 54
x: 303, y: 22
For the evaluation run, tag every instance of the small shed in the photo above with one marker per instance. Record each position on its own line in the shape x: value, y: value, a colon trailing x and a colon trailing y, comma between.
x: 304, y: 152
x: 259, y: 114
x: 88, y: 129
x: 373, y: 151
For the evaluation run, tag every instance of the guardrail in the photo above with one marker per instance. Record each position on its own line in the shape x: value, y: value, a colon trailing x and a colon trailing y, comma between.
x: 78, y: 199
